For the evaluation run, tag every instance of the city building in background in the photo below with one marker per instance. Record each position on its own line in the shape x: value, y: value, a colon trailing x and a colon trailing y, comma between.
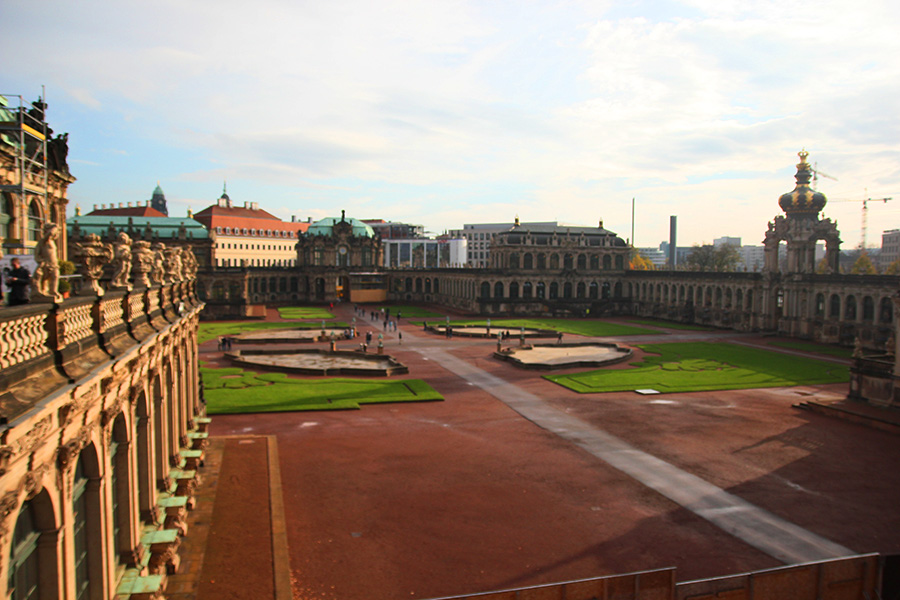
x: 390, y: 230
x: 478, y: 237
x: 249, y: 236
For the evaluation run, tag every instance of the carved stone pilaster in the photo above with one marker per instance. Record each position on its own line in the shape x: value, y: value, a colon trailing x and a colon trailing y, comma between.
x: 33, y: 482
x: 6, y: 453
x: 9, y: 502
x: 67, y: 453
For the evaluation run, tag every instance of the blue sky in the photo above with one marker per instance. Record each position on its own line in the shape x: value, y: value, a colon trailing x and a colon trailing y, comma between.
x: 444, y: 113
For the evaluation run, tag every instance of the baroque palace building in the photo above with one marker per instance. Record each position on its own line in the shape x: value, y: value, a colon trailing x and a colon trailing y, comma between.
x: 549, y: 269
x: 102, y: 425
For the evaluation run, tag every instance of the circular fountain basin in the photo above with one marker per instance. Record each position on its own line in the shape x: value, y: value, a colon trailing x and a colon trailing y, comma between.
x: 565, y: 356
x: 320, y: 362
x: 282, y: 336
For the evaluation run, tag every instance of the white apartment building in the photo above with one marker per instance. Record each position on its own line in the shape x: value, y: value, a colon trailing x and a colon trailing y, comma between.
x: 478, y: 237
x: 423, y: 253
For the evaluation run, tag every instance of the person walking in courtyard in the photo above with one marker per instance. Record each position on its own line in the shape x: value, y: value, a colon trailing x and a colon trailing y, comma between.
x: 400, y: 337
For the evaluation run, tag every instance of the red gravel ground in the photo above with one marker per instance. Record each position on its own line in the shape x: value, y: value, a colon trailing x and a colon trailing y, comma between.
x: 462, y: 496
x: 238, y: 559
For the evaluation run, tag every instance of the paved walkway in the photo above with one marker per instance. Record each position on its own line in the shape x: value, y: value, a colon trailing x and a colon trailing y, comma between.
x: 759, y: 528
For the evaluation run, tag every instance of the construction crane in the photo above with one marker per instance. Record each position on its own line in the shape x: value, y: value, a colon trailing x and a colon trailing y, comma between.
x: 865, y: 214
x: 816, y: 173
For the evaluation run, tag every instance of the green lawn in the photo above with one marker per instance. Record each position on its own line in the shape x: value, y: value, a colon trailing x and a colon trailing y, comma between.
x: 210, y: 331
x: 304, y: 312
x: 704, y: 366
x: 576, y: 326
x: 818, y: 348
x: 233, y: 391
x: 413, y: 312
x: 669, y: 324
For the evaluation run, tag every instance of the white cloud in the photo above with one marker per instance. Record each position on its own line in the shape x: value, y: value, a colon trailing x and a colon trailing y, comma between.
x: 466, y: 111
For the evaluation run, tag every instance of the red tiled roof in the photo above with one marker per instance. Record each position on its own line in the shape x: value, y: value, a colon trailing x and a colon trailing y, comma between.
x: 131, y: 211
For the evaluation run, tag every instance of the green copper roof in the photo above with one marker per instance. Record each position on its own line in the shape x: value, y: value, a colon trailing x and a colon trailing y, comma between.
x: 326, y: 226
x: 161, y: 227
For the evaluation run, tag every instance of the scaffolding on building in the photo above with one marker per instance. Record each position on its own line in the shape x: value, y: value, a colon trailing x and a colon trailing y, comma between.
x: 23, y: 135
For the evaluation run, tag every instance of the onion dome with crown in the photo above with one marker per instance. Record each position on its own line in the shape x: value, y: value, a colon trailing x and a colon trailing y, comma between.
x: 803, y: 201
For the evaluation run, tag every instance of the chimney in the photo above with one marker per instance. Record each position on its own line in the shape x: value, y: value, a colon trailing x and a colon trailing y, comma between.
x: 673, y: 229
x: 309, y: 219
x: 129, y: 205
x: 601, y: 224
x: 254, y: 206
x: 246, y: 204
x: 293, y: 218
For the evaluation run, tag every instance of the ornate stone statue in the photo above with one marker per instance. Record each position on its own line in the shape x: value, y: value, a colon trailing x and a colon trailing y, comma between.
x: 173, y: 264
x: 91, y: 255
x: 122, y: 262
x: 158, y: 273
x: 142, y: 259
x: 45, y: 280
x: 188, y: 264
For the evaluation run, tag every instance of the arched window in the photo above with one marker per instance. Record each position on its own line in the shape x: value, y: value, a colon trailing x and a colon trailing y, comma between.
x: 526, y: 289
x: 539, y: 291
x: 554, y: 289
x: 567, y: 289
x: 541, y: 261
x: 118, y: 487
x: 886, y: 314
x: 868, y: 312
x: 24, y: 565
x: 82, y: 526
x: 820, y: 305
x: 850, y: 308
x: 514, y: 260
x: 409, y: 284
x: 498, y: 289
x: 579, y: 290
x: 34, y: 222
x: 595, y: 262
x: 485, y: 289
x: 834, y: 309
x: 594, y: 290
x: 528, y: 261
x: 513, y: 290
x: 605, y: 289
x: 620, y: 262
x: 567, y: 262
x: 617, y: 289
x: 582, y: 262
x: 418, y: 285
x: 554, y: 261
x: 607, y: 261
x: 5, y: 214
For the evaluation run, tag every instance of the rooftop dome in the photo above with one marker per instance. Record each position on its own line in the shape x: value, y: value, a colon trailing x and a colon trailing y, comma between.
x: 803, y: 201
x: 326, y: 226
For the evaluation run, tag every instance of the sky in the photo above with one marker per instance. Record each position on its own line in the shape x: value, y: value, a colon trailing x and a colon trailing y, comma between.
x: 442, y: 113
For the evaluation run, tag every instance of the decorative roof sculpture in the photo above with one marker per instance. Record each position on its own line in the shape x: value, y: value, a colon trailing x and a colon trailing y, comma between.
x: 803, y: 201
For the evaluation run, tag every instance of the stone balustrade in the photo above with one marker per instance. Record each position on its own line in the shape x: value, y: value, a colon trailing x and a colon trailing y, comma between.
x: 61, y: 342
